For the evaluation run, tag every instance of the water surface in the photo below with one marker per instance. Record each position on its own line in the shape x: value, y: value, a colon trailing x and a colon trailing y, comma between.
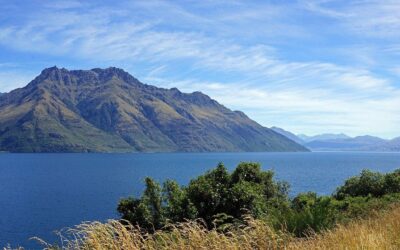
x: 40, y: 193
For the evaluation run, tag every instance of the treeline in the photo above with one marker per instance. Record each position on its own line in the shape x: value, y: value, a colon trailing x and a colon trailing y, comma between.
x: 223, y: 200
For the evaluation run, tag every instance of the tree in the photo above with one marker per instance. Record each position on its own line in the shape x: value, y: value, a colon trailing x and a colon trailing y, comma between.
x: 177, y: 205
x: 147, y: 211
x: 217, y: 196
x: 209, y: 193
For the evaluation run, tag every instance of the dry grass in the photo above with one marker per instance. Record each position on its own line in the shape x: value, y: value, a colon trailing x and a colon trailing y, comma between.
x: 379, y: 232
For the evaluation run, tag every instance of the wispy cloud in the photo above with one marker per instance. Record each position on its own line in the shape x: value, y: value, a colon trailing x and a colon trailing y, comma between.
x: 372, y: 17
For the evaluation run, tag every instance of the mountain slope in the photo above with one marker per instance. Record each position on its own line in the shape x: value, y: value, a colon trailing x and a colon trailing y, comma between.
x: 288, y: 134
x: 108, y: 110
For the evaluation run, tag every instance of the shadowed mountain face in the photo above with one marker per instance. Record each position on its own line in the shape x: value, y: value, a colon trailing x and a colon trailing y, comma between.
x: 108, y: 110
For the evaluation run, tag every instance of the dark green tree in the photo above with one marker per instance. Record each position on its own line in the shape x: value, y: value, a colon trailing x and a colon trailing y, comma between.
x: 147, y: 211
x: 216, y: 197
x: 177, y: 205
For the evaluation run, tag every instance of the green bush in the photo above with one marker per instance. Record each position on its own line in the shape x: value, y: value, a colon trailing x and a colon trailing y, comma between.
x: 370, y: 183
x: 309, y: 213
x: 212, y: 196
x: 362, y: 206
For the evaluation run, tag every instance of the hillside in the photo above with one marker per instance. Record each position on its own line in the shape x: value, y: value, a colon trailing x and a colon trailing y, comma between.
x: 108, y: 110
x: 288, y: 135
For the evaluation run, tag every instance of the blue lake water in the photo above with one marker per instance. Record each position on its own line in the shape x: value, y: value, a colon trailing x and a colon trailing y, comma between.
x: 40, y: 193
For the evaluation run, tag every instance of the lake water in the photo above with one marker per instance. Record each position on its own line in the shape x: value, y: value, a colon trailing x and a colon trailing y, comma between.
x: 40, y: 193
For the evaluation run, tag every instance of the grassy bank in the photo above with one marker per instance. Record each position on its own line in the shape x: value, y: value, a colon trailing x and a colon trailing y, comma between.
x: 379, y: 231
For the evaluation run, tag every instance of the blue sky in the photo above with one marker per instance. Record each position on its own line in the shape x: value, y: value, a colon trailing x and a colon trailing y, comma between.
x: 306, y: 66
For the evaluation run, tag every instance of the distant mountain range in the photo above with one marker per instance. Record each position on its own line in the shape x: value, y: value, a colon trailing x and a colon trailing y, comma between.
x: 359, y: 143
x: 322, y: 137
x: 108, y: 110
x: 342, y: 142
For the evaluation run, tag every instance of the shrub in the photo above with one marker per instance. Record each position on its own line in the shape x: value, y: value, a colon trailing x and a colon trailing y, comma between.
x: 212, y: 196
x: 370, y: 183
x: 309, y: 213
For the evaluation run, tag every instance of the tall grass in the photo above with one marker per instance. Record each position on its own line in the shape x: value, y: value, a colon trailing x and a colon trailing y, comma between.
x: 381, y: 231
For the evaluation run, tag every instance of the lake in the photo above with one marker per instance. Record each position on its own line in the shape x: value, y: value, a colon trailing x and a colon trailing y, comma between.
x: 40, y: 193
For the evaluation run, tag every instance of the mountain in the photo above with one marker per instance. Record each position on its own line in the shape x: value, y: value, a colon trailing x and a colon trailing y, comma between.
x: 359, y: 143
x: 389, y: 146
x: 288, y: 134
x: 108, y: 110
x: 342, y: 142
x: 322, y: 137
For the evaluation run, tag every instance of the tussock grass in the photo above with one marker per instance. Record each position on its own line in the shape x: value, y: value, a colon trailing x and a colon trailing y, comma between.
x: 187, y: 235
x: 380, y: 231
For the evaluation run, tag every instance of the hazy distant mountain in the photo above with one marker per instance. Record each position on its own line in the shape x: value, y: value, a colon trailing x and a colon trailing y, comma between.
x: 323, y: 137
x: 389, y: 145
x: 342, y: 142
x: 108, y: 110
x: 288, y: 134
x: 359, y: 143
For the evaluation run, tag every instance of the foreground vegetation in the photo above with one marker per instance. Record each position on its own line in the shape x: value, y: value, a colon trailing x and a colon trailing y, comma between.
x: 248, y: 209
x: 377, y: 232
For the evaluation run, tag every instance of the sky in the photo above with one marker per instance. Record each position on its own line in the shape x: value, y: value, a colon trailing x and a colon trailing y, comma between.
x: 307, y: 66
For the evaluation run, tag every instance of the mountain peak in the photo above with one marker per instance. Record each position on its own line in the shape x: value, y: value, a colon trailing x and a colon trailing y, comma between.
x: 53, y: 70
x: 53, y: 73
x: 115, y: 72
